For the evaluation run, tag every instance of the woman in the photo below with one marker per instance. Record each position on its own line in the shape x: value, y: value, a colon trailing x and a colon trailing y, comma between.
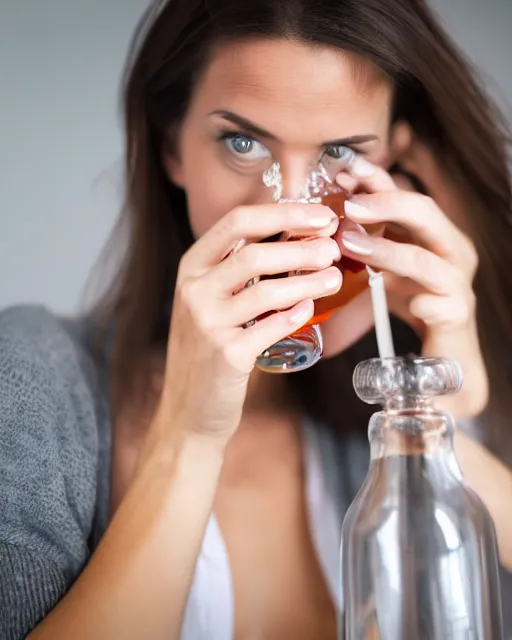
x: 121, y: 436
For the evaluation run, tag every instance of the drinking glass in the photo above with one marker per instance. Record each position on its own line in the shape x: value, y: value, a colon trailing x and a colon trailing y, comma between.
x: 304, y: 347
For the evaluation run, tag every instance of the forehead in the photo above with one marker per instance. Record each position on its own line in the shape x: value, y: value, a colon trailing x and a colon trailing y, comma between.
x: 284, y: 86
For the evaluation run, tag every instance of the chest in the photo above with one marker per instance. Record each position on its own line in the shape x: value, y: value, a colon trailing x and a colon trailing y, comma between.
x: 279, y: 589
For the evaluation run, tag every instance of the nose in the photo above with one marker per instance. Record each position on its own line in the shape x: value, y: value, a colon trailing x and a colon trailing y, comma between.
x: 294, y: 177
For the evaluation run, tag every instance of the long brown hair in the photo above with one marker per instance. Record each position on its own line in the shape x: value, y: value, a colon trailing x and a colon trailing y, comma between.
x: 436, y: 92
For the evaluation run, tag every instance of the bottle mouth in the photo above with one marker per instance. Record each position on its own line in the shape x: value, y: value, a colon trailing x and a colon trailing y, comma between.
x: 407, y: 381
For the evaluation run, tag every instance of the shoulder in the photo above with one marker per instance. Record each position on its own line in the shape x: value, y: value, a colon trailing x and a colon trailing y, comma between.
x: 46, y: 356
x: 32, y: 334
x: 53, y: 426
x: 49, y: 438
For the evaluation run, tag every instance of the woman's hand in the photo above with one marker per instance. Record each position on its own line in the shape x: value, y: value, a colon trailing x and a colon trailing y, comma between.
x: 429, y: 267
x: 210, y: 355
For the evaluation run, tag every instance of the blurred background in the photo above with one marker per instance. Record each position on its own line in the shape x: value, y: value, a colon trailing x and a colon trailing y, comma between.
x: 60, y: 133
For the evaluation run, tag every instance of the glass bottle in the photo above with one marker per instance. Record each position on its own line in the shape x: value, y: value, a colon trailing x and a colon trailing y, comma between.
x: 419, y: 553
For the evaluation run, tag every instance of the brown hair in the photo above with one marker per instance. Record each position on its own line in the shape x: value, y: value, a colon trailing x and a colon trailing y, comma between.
x: 435, y: 91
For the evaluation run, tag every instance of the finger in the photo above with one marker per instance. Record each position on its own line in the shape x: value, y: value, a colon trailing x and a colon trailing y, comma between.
x: 352, y: 185
x: 403, y: 182
x: 264, y: 333
x: 268, y: 259
x: 255, y: 223
x: 405, y: 260
x: 348, y: 183
x: 370, y: 177
x: 421, y: 161
x: 419, y: 215
x: 400, y: 292
x: 443, y: 312
x: 277, y: 295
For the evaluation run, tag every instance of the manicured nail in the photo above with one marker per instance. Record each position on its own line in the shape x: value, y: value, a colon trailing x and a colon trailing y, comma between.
x: 357, y: 243
x: 354, y: 210
x: 333, y: 282
x: 321, y: 221
x: 361, y: 168
x: 303, y: 313
x: 336, y: 252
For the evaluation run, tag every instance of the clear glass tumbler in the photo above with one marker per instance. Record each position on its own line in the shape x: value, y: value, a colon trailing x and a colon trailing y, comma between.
x: 419, y: 555
x: 304, y: 348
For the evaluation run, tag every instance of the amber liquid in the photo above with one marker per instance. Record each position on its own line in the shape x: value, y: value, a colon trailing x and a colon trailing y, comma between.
x: 355, y: 276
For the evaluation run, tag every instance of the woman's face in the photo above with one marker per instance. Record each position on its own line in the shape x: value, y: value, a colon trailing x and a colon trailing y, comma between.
x: 262, y: 101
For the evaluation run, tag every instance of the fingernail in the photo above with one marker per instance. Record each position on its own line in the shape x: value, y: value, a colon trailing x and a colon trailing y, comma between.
x: 303, y: 313
x: 354, y: 210
x: 362, y: 168
x: 357, y: 243
x: 333, y: 282
x: 336, y: 252
x: 321, y: 221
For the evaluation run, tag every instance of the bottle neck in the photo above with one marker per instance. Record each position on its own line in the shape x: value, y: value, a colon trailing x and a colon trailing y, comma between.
x: 410, y: 430
x: 412, y: 447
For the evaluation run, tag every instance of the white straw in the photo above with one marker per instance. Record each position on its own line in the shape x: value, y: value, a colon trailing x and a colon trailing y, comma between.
x: 381, y: 314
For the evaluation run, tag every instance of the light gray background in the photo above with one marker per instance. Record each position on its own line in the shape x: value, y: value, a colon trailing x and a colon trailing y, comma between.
x: 60, y: 139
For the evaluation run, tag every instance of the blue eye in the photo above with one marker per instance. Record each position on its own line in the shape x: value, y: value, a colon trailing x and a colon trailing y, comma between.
x: 239, y: 144
x: 245, y: 147
x: 339, y: 152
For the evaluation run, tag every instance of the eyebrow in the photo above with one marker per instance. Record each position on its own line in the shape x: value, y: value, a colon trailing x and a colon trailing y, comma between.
x: 250, y: 127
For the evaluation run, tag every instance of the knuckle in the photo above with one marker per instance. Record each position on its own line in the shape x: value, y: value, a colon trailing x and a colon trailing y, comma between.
x: 428, y: 203
x: 318, y: 251
x: 240, y: 219
x: 184, y: 267
x: 265, y: 292
x: 423, y: 208
x: 463, y: 286
x: 456, y: 313
x: 308, y: 249
x: 390, y: 254
x: 204, y: 324
x: 460, y: 314
x: 422, y: 262
x: 382, y: 201
x: 188, y: 292
x: 251, y: 257
x: 192, y: 297
x: 229, y: 352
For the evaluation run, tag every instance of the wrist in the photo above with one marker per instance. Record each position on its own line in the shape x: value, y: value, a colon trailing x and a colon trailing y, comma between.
x: 165, y: 443
x: 180, y: 426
